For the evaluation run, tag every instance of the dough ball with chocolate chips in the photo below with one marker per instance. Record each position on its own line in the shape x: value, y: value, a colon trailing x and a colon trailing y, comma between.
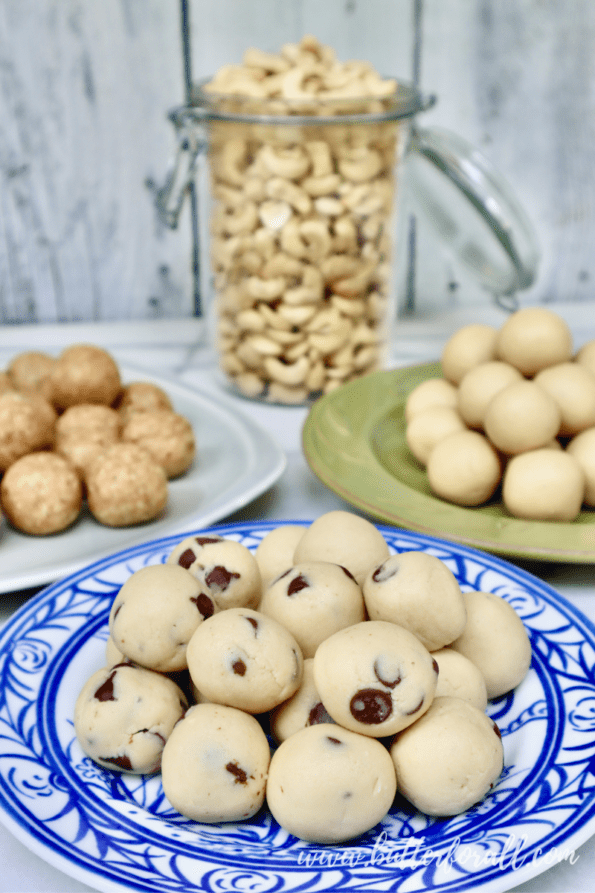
x: 227, y: 567
x: 244, y: 659
x: 449, y: 759
x: 141, y: 396
x: 274, y: 553
x: 84, y: 373
x: 23, y: 427
x: 304, y: 708
x: 30, y: 371
x: 458, y: 677
x: 167, y: 435
x: 155, y: 614
x: 41, y: 494
x: 125, y: 485
x: 124, y: 715
x: 327, y: 784
x: 314, y: 600
x: 215, y: 764
x: 375, y: 677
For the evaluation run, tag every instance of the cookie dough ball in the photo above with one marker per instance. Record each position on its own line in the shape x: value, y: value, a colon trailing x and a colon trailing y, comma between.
x: 468, y: 347
x: 241, y: 658
x: 215, y: 765
x: 430, y: 393
x: 375, y: 677
x: 274, y: 553
x: 125, y: 485
x: 459, y: 678
x: 429, y: 427
x: 84, y: 373
x: 464, y: 468
x: 113, y: 655
x: 522, y: 416
x: 141, y: 396
x: 478, y: 387
x: 496, y: 641
x: 83, y: 431
x: 124, y: 715
x: 586, y: 355
x: 155, y: 614
x: 304, y: 708
x: 544, y: 485
x: 30, y: 370
x: 343, y: 538
x: 167, y: 435
x: 327, y: 784
x: 419, y: 592
x: 227, y: 567
x: 23, y: 429
x: 533, y: 338
x: 572, y: 386
x: 313, y: 600
x: 582, y: 447
x: 41, y: 494
x: 448, y: 760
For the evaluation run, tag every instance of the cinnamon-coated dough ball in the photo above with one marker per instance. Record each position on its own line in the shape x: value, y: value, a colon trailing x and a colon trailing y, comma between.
x: 85, y: 430
x: 582, y: 447
x: 167, y: 435
x: 23, y: 428
x: 432, y: 392
x: 140, y: 396
x: 544, y: 485
x: 496, y: 641
x: 6, y: 384
x: 429, y: 427
x: 522, y: 416
x: 480, y: 385
x: 464, y: 468
x: 125, y: 485
x: 29, y: 371
x: 41, y: 493
x: 533, y: 338
x: 84, y: 373
x: 572, y: 386
x: 586, y: 355
x: 458, y: 677
x: 343, y: 538
x: 472, y: 344
x: 274, y: 553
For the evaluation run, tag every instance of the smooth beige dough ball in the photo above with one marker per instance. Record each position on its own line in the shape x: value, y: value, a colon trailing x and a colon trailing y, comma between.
x: 343, y: 538
x: 468, y: 347
x: 274, y: 553
x: 458, y: 677
x: 582, y: 447
x: 432, y: 392
x: 429, y: 427
x: 464, y: 468
x: 573, y: 388
x: 533, y: 338
x: 522, y: 416
x: 480, y: 385
x: 544, y: 485
x: 586, y: 355
x: 84, y: 373
x: 496, y: 641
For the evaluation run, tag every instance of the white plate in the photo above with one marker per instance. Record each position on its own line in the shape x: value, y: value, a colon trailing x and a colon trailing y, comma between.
x: 116, y: 832
x: 237, y: 461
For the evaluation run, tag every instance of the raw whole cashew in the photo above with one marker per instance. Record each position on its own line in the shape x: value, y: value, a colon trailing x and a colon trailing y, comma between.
x: 289, y: 163
x: 289, y: 192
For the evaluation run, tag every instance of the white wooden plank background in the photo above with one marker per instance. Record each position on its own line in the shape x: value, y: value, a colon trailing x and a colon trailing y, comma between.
x: 85, y: 86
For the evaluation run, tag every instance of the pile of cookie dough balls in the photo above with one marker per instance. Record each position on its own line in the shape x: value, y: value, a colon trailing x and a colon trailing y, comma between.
x: 302, y: 224
x: 317, y: 675
x: 71, y: 432
x: 513, y: 413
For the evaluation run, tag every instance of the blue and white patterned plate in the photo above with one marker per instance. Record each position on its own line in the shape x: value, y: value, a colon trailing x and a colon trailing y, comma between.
x: 117, y: 832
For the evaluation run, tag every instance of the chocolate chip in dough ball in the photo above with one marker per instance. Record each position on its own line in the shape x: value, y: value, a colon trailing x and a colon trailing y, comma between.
x: 464, y: 468
x: 429, y: 427
x: 155, y: 614
x: 30, y: 370
x: 582, y: 447
x: 23, y: 428
x: 140, y: 396
x: 227, y: 567
x: 458, y: 677
x: 522, y: 416
x: 544, y: 485
x: 478, y: 387
x: 244, y: 659
x: 468, y: 347
x: 343, y: 538
x: 125, y: 485
x: 448, y: 760
x: 124, y: 715
x: 533, y: 338
x: 418, y: 591
x: 430, y: 393
x: 572, y: 386
x: 167, y: 435
x: 328, y: 785
x: 313, y: 600
x: 586, y: 355
x: 274, y: 553
x: 215, y: 764
x: 41, y: 494
x: 496, y: 641
x: 84, y: 373
x: 304, y: 708
x: 375, y: 677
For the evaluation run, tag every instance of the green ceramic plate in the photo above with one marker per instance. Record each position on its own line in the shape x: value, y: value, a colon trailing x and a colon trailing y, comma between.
x: 354, y: 441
